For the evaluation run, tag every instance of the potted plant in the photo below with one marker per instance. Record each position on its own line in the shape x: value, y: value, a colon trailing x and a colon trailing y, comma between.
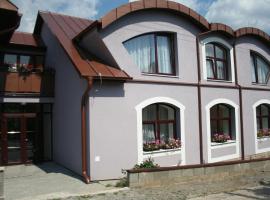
x: 220, y: 138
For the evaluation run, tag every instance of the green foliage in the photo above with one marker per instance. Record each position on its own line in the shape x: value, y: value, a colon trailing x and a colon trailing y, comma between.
x: 146, y: 164
x: 122, y: 183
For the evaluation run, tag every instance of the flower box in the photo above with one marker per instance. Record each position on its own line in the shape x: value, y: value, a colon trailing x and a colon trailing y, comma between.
x: 263, y: 133
x: 157, y: 145
x: 220, y: 138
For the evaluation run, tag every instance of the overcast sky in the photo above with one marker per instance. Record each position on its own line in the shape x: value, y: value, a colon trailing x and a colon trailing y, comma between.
x: 236, y: 13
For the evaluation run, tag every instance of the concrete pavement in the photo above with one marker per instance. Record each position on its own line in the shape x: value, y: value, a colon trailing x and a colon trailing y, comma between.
x: 49, y: 181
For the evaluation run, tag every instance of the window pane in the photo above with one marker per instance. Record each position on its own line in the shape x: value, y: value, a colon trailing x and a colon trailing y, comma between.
x: 142, y: 51
x: 214, y: 127
x: 213, y: 112
x: 265, y: 123
x: 220, y: 70
x: 258, y: 124
x: 224, y: 127
x: 11, y: 61
x: 253, y: 69
x: 220, y: 53
x: 209, y: 50
x: 224, y: 111
x: 263, y: 70
x: 166, y: 131
x: 265, y: 110
x: 148, y: 133
x: 26, y: 61
x: 166, y: 112
x: 210, y: 73
x: 258, y: 111
x: 149, y: 113
x: 164, y: 54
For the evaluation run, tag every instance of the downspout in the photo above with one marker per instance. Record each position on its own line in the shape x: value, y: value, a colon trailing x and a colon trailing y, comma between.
x: 85, y: 101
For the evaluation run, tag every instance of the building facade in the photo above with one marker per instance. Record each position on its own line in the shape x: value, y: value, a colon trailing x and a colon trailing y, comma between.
x: 149, y: 79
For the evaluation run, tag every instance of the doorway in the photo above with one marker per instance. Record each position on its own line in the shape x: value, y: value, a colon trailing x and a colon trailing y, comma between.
x: 20, y: 138
x: 25, y: 133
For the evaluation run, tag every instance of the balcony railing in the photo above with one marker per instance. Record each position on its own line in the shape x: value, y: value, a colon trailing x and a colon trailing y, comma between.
x: 32, y: 83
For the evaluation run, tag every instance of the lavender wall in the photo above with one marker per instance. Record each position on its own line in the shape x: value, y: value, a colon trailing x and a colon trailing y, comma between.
x: 67, y: 101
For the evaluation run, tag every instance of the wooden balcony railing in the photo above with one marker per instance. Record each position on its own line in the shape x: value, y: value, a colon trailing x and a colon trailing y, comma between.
x: 35, y: 83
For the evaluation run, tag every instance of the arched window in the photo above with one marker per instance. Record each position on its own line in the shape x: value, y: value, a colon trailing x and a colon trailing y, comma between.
x: 263, y: 120
x: 160, y: 130
x: 217, y: 62
x: 222, y: 123
x: 153, y: 53
x: 260, y: 69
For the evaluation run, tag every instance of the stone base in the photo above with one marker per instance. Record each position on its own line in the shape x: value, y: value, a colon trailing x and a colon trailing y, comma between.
x: 234, y: 175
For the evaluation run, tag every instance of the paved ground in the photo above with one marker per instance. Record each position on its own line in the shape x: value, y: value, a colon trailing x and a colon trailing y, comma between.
x: 257, y: 193
x: 47, y: 181
x: 50, y: 181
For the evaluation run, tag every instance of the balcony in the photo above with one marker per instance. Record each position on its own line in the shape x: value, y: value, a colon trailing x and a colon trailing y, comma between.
x: 30, y: 83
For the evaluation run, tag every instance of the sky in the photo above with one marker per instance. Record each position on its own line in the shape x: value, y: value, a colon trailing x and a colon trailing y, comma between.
x: 236, y: 13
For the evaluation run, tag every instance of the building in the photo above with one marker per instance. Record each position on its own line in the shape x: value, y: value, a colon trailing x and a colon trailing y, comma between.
x: 151, y: 78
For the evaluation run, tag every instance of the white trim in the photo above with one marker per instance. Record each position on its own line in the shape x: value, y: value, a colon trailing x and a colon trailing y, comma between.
x: 161, y: 153
x: 226, y: 44
x: 139, y: 109
x: 257, y: 150
x: 208, y: 130
x: 26, y: 100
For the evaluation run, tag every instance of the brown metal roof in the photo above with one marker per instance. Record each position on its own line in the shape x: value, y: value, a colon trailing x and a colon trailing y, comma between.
x: 180, y: 9
x: 9, y: 20
x: 65, y: 28
x: 153, y: 4
x: 5, y: 4
x: 252, y: 31
x: 26, y: 39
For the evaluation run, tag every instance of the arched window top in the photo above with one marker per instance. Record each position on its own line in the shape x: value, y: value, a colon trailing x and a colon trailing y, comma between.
x: 260, y: 68
x: 263, y: 120
x: 160, y: 129
x: 222, y: 123
x: 153, y: 53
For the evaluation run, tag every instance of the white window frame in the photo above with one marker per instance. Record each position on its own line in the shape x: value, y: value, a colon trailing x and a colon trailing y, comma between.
x: 257, y: 150
x: 139, y: 108
x: 208, y: 130
x: 231, y: 51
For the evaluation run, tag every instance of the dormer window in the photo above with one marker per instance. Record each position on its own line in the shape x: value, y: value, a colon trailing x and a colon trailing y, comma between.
x: 153, y: 53
x: 217, y: 62
x: 260, y: 69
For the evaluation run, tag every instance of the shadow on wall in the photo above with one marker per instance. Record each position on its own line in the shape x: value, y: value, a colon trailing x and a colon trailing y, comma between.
x: 152, y: 16
x: 254, y: 41
x: 108, y: 89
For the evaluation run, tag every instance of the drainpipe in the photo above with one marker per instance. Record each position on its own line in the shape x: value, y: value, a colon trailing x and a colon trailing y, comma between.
x: 85, y: 101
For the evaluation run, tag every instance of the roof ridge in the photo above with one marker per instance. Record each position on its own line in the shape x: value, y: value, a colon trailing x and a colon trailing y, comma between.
x: 55, y: 13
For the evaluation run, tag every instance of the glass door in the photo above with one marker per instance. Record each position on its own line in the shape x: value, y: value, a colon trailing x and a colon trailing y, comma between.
x: 12, y: 140
x: 20, y: 138
x: 32, y: 137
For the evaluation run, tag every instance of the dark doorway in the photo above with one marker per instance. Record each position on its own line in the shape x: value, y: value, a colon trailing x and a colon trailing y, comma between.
x: 22, y: 135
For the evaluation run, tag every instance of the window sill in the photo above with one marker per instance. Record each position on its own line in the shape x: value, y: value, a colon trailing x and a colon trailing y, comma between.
x: 219, y: 81
x: 225, y: 144
x: 260, y: 84
x: 262, y: 139
x: 160, y: 75
x: 161, y: 152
